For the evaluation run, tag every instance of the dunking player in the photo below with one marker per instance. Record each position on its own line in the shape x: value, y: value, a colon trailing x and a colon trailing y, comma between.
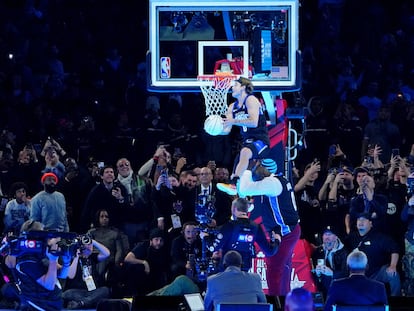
x: 246, y: 112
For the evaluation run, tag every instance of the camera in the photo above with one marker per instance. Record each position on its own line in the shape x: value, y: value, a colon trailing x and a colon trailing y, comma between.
x: 35, y: 242
x: 205, y: 208
x: 205, y: 267
x: 116, y: 184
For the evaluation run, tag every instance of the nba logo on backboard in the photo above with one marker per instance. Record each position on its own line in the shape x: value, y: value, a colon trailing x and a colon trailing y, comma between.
x: 165, y: 67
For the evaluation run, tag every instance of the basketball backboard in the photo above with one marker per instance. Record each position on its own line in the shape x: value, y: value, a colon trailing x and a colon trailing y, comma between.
x: 252, y: 38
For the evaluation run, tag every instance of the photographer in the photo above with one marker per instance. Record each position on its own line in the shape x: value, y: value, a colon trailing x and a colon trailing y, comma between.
x: 241, y: 233
x: 85, y: 287
x: 38, y: 274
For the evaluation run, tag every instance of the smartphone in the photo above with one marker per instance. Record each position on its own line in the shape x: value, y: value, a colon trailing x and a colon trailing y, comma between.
x: 395, y: 152
x: 101, y: 164
x: 332, y: 150
x: 368, y: 159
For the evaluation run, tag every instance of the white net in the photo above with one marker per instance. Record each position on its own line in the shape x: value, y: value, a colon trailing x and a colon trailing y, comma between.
x: 215, y: 89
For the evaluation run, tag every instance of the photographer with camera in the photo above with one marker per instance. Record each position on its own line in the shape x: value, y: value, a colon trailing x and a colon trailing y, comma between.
x: 185, y: 250
x: 37, y: 272
x: 241, y: 233
x: 85, y: 287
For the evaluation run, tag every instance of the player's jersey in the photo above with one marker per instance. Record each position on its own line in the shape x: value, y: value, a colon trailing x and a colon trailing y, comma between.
x: 280, y: 210
x: 251, y: 133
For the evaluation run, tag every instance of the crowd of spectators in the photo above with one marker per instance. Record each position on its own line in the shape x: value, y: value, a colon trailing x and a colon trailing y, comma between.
x: 73, y: 100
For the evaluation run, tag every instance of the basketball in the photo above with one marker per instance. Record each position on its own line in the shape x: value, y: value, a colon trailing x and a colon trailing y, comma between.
x: 214, y: 125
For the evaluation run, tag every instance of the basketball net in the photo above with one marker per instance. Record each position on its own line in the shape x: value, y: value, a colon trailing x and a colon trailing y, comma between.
x: 215, y: 89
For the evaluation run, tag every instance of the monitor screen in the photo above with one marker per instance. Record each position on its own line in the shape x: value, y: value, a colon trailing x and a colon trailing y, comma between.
x: 195, y: 302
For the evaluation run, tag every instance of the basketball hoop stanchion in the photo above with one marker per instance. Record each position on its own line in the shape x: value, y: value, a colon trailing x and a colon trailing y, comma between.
x: 215, y: 89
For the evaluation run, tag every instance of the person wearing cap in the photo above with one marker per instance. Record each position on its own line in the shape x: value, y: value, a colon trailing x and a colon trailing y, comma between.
x: 329, y: 261
x: 147, y: 264
x: 246, y: 113
x: 274, y: 206
x: 342, y: 191
x: 49, y: 205
x: 367, y: 201
x: 356, y: 289
x: 233, y: 285
x: 381, y: 250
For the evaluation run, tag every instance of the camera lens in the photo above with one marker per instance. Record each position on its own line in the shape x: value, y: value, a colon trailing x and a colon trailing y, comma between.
x: 86, y: 239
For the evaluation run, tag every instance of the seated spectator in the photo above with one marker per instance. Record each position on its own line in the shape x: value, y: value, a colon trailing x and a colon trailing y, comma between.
x: 245, y: 287
x: 299, y: 299
x: 329, y: 260
x: 111, y: 237
x: 147, y: 264
x: 381, y: 250
x: 357, y: 289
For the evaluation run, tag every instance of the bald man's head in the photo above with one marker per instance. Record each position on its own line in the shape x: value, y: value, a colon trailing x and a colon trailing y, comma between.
x: 299, y: 299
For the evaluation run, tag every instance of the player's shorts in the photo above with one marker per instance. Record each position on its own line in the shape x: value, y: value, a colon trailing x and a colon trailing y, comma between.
x: 258, y: 148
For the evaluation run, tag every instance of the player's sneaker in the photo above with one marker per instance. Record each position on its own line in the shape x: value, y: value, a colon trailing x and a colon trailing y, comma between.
x: 230, y: 189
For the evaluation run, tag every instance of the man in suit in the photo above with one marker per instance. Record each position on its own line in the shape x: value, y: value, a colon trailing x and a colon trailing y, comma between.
x: 357, y: 289
x: 233, y: 285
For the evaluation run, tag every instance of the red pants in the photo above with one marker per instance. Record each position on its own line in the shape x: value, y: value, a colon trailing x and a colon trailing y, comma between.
x: 279, y: 266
